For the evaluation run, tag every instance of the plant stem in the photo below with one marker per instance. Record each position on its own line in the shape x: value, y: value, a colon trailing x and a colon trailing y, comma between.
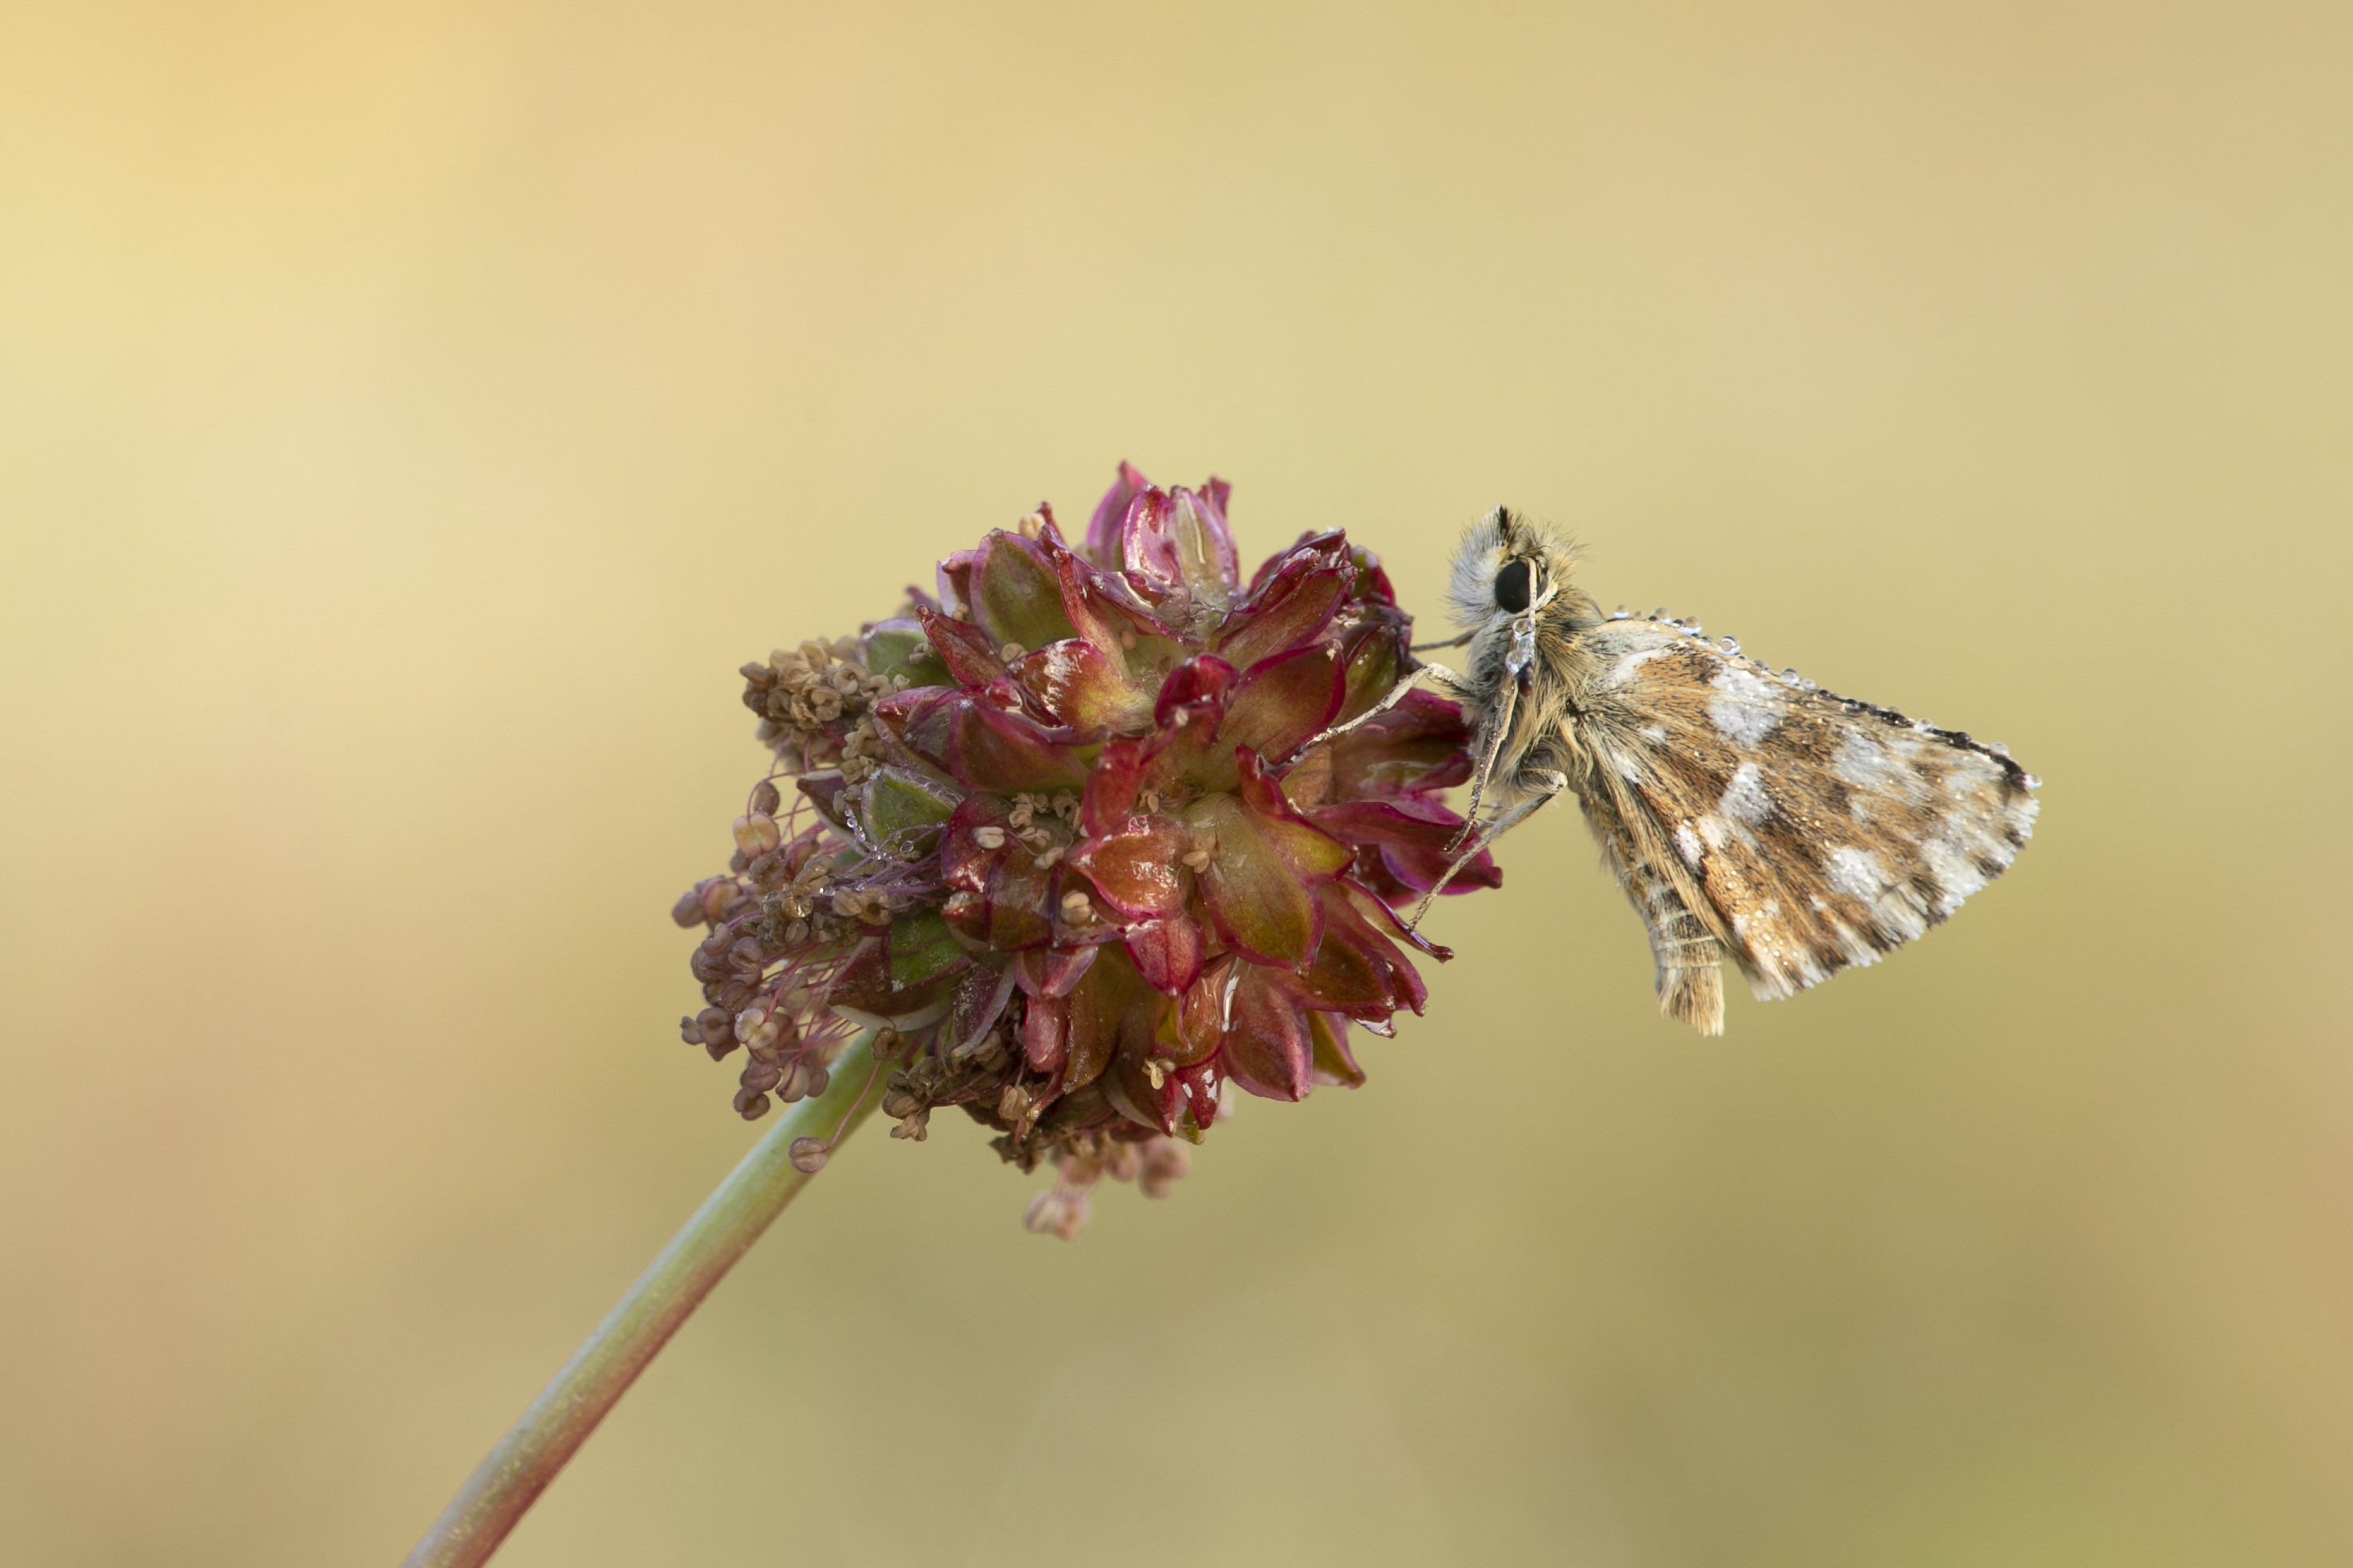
x: 729, y: 1220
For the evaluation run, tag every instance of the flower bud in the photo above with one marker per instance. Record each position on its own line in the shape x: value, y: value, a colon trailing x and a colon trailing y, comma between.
x: 756, y: 832
x: 688, y: 910
x: 809, y: 1155
x: 765, y: 799
x: 1166, y: 1161
x: 1057, y: 1212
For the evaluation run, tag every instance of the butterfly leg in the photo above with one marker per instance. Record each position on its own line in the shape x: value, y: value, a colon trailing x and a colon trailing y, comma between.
x: 1435, y: 675
x: 1548, y: 784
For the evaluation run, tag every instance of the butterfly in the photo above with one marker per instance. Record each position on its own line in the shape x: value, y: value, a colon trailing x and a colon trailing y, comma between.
x: 1747, y: 814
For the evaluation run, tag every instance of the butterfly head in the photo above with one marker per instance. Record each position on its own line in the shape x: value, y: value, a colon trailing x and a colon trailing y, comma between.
x: 1507, y: 571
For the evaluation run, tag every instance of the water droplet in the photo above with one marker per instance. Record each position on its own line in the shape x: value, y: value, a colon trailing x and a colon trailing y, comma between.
x: 1791, y: 676
x: 1998, y: 749
x: 1729, y: 645
x: 1660, y: 614
x: 1619, y: 614
x: 1808, y: 685
x: 2034, y: 783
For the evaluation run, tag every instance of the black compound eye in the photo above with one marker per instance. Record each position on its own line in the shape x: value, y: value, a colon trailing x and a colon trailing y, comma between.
x: 1512, y: 587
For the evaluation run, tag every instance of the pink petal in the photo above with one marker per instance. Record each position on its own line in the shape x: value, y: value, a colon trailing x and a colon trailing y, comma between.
x: 1103, y: 528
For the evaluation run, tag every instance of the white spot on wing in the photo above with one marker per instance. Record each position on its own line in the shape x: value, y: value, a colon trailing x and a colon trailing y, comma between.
x: 1623, y: 671
x: 1745, y: 799
x: 1688, y: 842
x: 1744, y: 708
x: 1857, y: 873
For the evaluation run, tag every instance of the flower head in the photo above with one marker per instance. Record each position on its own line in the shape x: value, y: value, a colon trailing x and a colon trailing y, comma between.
x: 1066, y: 833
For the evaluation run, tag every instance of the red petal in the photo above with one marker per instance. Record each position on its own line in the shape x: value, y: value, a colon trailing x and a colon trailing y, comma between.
x: 1268, y: 1051
x: 1419, y: 744
x: 1314, y: 854
x: 1313, y: 551
x: 1137, y: 869
x: 990, y: 748
x: 914, y: 725
x: 1197, y: 681
x: 979, y: 1001
x: 1016, y: 594
x: 1104, y: 530
x: 1084, y: 687
x: 1199, y: 1022
x: 1201, y: 1084
x: 1167, y: 952
x: 1053, y: 970
x: 1112, y: 788
x: 1176, y: 546
x: 953, y: 578
x: 995, y: 897
x: 964, y: 647
x: 1414, y: 820
x: 1356, y: 969
x: 1375, y: 658
x: 1043, y: 1030
x: 1111, y: 1011
x: 1283, y: 702
x: 1101, y: 606
x: 1419, y: 869
x: 1291, y: 613
x: 1260, y: 883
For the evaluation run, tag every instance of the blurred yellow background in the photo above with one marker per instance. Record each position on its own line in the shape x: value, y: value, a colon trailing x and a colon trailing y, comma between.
x: 411, y: 414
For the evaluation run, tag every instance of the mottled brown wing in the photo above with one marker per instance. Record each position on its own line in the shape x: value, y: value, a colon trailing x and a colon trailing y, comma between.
x: 1806, y: 831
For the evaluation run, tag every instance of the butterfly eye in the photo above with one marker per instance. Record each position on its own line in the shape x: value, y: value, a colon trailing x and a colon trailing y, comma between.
x: 1512, y: 587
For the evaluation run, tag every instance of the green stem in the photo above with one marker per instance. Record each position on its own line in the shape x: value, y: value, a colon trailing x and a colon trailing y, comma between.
x: 729, y: 1220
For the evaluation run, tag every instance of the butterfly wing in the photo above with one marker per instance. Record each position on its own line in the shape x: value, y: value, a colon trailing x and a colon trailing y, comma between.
x: 1802, y: 831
